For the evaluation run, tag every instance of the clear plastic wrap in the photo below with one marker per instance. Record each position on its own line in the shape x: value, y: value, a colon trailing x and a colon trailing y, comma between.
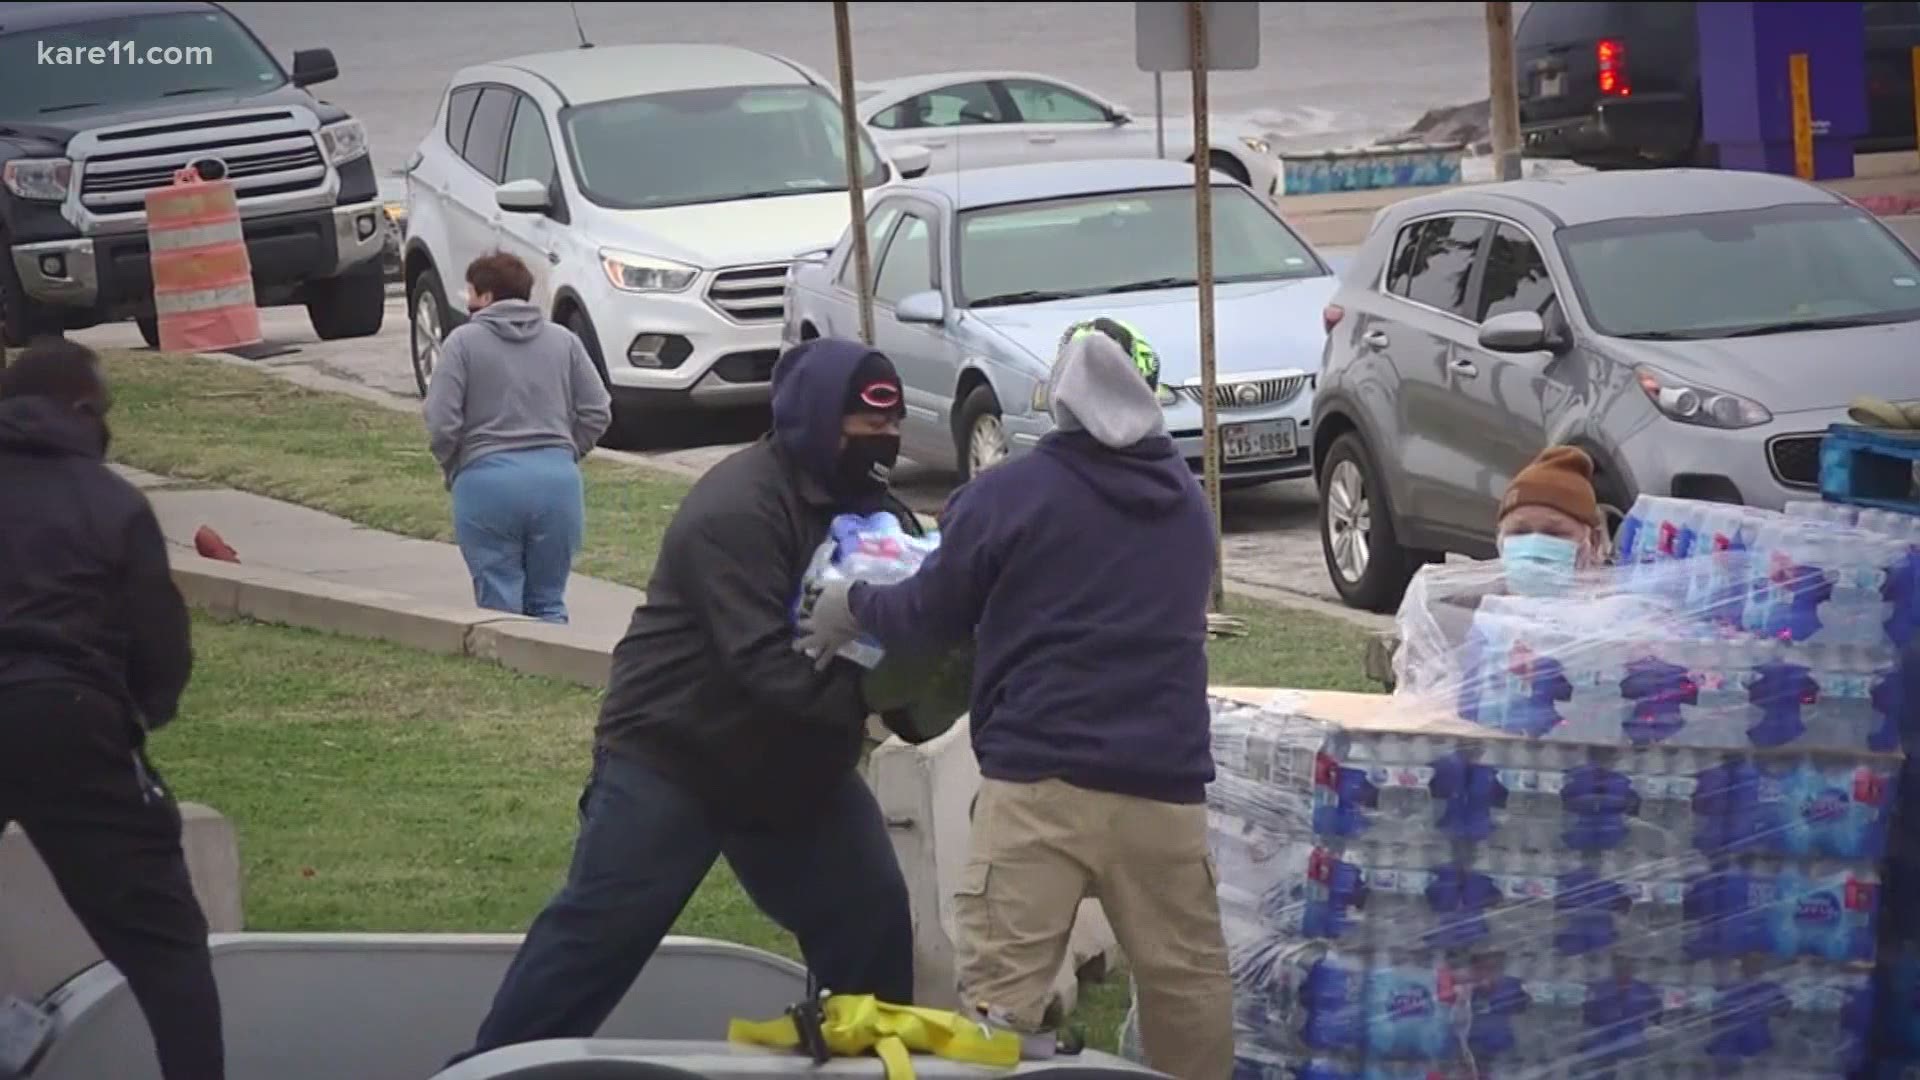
x: 1408, y: 894
x: 873, y: 548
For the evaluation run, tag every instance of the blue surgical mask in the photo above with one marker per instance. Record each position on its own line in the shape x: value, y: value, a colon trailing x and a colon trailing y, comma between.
x: 1538, y: 565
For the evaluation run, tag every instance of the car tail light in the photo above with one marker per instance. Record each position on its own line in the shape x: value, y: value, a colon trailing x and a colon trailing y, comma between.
x: 1332, y: 315
x: 1612, y: 56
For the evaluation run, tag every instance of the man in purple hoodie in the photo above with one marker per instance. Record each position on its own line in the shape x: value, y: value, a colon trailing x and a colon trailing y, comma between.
x: 1082, y: 573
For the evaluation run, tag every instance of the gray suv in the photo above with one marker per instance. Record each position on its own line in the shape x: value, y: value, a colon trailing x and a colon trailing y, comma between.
x: 1695, y: 331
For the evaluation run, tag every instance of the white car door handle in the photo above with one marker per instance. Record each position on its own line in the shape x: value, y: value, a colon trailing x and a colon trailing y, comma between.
x: 1041, y: 139
x: 934, y: 144
x: 1464, y: 368
x: 1376, y: 339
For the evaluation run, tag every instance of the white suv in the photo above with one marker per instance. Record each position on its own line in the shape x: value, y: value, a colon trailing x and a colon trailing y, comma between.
x: 658, y: 193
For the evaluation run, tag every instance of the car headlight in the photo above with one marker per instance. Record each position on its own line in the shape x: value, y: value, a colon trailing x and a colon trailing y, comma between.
x: 1690, y: 403
x: 1256, y: 144
x: 644, y: 273
x: 45, y: 179
x: 344, y: 141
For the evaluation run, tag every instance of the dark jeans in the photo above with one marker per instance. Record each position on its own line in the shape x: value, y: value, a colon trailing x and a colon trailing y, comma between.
x: 645, y: 846
x: 72, y: 775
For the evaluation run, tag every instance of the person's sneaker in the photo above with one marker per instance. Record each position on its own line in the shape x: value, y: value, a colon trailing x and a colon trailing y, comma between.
x: 1034, y: 1046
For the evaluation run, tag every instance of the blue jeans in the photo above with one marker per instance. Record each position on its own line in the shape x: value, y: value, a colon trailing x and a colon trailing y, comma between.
x: 519, y: 516
x: 645, y: 846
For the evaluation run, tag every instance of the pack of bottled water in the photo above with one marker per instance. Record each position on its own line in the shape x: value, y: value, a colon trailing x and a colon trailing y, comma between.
x: 872, y: 548
x: 1409, y: 894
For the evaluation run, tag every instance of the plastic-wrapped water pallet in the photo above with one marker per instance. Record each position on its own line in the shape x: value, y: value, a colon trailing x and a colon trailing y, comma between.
x: 1503, y: 914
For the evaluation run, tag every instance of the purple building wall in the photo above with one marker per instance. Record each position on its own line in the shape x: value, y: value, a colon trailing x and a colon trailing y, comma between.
x: 1746, y: 95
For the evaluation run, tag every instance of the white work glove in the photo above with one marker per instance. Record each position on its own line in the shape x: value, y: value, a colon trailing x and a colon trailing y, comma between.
x: 829, y: 625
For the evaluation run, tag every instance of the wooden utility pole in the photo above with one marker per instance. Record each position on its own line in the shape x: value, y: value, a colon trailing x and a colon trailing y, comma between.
x: 856, y: 193
x: 1203, y: 279
x: 1503, y: 91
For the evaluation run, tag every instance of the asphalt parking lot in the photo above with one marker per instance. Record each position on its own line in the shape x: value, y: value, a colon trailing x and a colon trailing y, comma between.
x: 1271, y: 540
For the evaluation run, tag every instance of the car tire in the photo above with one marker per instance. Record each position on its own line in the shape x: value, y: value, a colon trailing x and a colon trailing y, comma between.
x: 149, y: 327
x: 353, y: 305
x: 21, y: 319
x: 429, y: 321
x: 1367, y: 565
x: 979, y: 433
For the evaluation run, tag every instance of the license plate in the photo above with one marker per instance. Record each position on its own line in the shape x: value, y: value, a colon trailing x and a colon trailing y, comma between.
x: 1551, y: 85
x: 1260, y: 441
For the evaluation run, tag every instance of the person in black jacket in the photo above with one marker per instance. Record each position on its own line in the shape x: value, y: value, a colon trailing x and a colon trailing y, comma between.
x: 95, y: 651
x: 717, y: 737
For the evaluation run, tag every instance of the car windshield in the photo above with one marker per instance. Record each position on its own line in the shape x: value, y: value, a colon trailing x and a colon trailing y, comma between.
x: 714, y: 145
x: 1122, y: 242
x: 46, y: 75
x: 1741, y: 273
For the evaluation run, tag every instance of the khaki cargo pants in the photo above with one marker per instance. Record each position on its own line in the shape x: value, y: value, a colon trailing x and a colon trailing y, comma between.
x: 1037, y: 850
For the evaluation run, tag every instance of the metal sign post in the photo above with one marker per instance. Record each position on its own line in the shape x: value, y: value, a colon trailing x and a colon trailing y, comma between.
x: 1199, y: 36
x: 1160, y: 112
x: 856, y: 194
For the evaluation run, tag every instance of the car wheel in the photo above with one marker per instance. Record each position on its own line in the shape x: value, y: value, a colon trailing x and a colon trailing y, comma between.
x: 1230, y: 165
x: 149, y: 326
x: 353, y: 305
x: 630, y: 429
x: 427, y: 326
x: 981, y: 433
x: 1369, y: 568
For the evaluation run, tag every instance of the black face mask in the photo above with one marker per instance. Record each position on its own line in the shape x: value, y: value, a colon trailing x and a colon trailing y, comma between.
x: 866, y: 464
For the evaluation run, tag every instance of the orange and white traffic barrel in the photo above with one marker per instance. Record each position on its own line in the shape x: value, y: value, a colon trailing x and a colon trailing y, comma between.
x: 202, y: 278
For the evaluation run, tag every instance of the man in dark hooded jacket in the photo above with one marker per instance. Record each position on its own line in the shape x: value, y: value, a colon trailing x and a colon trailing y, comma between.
x: 94, y: 653
x: 1082, y: 574
x: 716, y: 737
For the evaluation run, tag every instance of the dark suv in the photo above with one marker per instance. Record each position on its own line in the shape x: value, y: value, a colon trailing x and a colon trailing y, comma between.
x: 1613, y: 84
x: 87, y: 128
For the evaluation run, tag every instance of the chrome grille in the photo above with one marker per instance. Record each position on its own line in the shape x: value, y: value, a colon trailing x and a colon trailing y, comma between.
x: 1251, y: 393
x: 266, y: 153
x: 1796, y: 459
x: 750, y: 294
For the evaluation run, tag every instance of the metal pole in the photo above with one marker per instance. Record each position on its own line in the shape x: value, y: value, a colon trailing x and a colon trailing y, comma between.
x: 1160, y: 112
x: 1503, y: 91
x: 1203, y: 277
x: 856, y: 195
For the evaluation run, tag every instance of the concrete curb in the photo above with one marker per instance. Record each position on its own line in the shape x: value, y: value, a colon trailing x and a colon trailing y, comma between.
x: 514, y: 642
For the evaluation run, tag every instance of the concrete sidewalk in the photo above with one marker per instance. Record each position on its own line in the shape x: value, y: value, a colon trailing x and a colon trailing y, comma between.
x: 294, y: 540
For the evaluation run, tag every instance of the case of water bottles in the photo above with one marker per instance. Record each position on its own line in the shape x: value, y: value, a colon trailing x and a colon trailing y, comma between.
x: 872, y: 548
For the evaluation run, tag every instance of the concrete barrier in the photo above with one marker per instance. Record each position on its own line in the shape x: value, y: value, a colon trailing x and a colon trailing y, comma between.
x: 926, y: 794
x: 42, y: 945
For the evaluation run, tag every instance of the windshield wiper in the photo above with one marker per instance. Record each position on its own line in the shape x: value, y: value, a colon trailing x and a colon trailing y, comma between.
x: 184, y: 91
x: 1793, y: 326
x: 1150, y: 284
x: 65, y: 108
x: 1024, y: 296
x: 1666, y: 335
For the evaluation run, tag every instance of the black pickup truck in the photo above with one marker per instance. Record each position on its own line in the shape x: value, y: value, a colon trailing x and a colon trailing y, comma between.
x: 102, y: 102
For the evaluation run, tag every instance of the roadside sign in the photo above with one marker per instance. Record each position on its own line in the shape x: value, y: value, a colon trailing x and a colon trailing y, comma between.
x: 1161, y: 41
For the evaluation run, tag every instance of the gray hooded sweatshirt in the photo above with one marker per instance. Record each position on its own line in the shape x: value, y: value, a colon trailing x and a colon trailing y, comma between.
x: 511, y: 380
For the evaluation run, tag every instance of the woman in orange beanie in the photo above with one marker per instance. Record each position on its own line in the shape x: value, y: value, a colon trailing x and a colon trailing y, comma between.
x: 1550, y: 523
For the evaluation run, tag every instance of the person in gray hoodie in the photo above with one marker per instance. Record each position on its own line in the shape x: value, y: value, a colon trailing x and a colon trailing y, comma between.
x: 514, y: 404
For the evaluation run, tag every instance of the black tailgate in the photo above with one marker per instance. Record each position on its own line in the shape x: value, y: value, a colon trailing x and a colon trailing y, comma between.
x: 1557, y: 54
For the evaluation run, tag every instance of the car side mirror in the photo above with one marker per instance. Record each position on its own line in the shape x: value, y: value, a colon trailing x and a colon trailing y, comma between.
x: 523, y: 197
x: 1119, y: 117
x: 1517, y: 332
x: 927, y: 308
x: 912, y: 161
x: 312, y: 66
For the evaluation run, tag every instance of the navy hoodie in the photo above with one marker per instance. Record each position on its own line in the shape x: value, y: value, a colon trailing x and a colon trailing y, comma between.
x: 1083, y: 574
